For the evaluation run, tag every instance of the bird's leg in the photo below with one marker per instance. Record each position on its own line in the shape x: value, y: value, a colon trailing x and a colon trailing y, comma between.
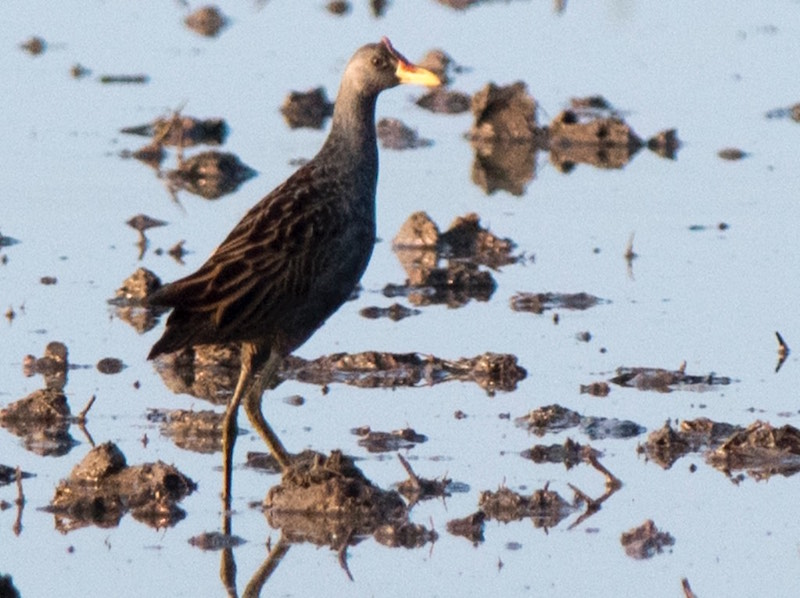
x: 252, y: 406
x: 248, y: 357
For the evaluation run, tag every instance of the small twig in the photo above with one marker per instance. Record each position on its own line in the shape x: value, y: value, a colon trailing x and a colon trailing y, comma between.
x: 687, y: 590
x: 783, y: 351
x: 20, y: 502
x: 343, y: 556
x: 407, y: 466
x: 81, y: 419
x: 612, y: 481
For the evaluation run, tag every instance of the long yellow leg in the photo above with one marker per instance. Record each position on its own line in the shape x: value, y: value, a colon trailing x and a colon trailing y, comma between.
x: 230, y: 429
x: 252, y: 406
x: 250, y: 387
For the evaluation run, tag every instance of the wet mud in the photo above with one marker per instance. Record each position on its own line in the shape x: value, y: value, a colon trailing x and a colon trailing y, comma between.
x: 555, y: 418
x: 394, y: 134
x: 310, y: 109
x: 645, y: 541
x: 466, y: 247
x: 662, y: 380
x: 196, y: 431
x: 102, y: 488
x: 210, y: 371
x: 538, y: 303
x: 207, y: 21
x: 384, y: 442
x: 209, y: 174
x: 327, y: 501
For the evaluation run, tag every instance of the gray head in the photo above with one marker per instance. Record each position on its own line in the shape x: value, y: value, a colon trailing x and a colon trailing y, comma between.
x: 376, y: 67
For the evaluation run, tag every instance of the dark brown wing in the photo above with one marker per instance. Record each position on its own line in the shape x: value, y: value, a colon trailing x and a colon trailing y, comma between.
x: 292, y: 245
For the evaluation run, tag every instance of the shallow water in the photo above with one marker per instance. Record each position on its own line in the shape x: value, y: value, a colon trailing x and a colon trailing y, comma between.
x: 712, y: 298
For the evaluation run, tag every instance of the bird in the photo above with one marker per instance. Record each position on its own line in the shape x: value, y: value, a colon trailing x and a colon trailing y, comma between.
x: 295, y: 257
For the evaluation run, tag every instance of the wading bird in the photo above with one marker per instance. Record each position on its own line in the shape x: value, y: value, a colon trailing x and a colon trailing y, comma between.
x: 296, y: 256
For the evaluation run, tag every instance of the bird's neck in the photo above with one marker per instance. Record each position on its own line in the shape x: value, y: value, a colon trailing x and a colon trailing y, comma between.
x: 353, y: 127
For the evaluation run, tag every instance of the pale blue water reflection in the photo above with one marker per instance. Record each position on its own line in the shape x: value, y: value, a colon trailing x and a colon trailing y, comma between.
x: 712, y: 298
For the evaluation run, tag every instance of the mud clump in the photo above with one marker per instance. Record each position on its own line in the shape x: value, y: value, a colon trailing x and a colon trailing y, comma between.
x: 394, y: 134
x: 466, y: 245
x: 555, y: 418
x: 544, y: 507
x: 196, y: 431
x: 130, y: 300
x: 666, y: 445
x: 327, y: 500
x: 182, y: 131
x: 469, y: 527
x: 596, y: 389
x: 210, y: 174
x: 394, y: 312
x: 504, y: 113
x: 761, y: 450
x: 53, y: 365
x: 661, y: 380
x: 445, y: 101
x: 570, y: 453
x: 441, y: 64
x: 35, y: 46
x: 384, y: 442
x: 538, y: 303
x: 601, y: 141
x: 110, y: 365
x: 309, y: 109
x: 645, y: 541
x: 210, y: 372
x: 102, y: 488
x: 371, y: 369
x: 207, y: 21
x: 732, y: 154
x: 505, y: 138
x: 207, y: 372
x: 42, y: 419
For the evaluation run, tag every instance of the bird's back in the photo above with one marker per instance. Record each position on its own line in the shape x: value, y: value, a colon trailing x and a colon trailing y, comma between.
x: 293, y: 259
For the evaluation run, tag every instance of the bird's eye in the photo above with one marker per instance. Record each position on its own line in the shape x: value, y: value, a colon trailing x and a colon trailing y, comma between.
x: 378, y: 62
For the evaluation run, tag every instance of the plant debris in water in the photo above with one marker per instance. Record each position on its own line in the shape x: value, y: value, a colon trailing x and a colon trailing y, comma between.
x: 645, y: 541
x: 102, y: 488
